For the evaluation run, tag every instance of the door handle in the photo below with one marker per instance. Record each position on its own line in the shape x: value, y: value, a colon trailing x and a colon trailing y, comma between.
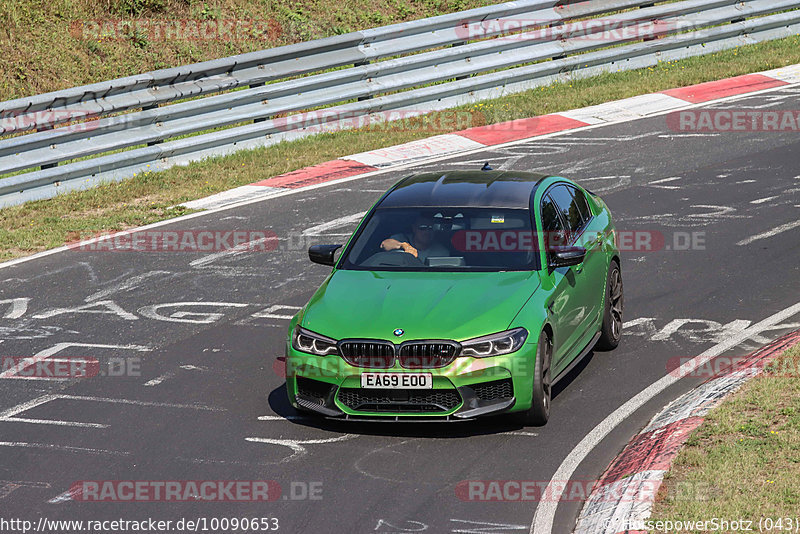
x: 579, y: 267
x: 591, y: 246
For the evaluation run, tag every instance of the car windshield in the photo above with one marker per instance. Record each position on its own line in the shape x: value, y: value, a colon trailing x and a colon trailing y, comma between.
x: 443, y: 239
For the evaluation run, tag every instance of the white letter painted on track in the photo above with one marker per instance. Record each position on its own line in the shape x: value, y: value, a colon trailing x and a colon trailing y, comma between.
x: 110, y: 308
x: 642, y: 326
x: 704, y: 330
x: 18, y: 307
x: 151, y: 312
x: 271, y: 312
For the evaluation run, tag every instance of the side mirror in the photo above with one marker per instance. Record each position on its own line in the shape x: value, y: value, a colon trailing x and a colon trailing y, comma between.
x: 323, y: 254
x: 566, y: 256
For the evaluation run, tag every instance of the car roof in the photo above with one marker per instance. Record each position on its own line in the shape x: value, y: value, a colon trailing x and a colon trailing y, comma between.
x: 492, y: 189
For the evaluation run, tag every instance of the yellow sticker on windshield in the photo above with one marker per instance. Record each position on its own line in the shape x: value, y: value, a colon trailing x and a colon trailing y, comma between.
x: 498, y: 219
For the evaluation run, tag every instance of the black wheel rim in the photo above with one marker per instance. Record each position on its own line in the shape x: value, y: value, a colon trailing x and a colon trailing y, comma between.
x: 547, y: 352
x: 616, y: 302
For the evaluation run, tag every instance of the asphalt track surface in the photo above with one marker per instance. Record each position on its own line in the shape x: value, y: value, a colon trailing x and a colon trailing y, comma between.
x: 208, y: 384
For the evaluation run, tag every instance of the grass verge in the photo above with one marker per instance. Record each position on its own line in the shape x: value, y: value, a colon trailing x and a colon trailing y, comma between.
x: 147, y: 198
x: 46, y: 46
x: 746, y: 455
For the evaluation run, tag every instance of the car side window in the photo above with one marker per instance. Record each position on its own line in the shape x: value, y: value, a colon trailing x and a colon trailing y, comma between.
x: 575, y: 212
x: 583, y: 205
x: 554, y: 232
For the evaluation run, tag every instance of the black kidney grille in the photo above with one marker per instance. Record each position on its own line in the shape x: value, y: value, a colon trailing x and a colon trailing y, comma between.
x: 427, y: 355
x: 369, y: 354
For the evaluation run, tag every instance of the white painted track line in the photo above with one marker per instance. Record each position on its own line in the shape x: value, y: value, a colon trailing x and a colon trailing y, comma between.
x: 546, y: 510
x: 235, y: 251
x: 322, y: 229
x: 64, y: 448
x: 297, y: 446
x: 231, y: 196
x: 775, y: 231
x: 421, y: 148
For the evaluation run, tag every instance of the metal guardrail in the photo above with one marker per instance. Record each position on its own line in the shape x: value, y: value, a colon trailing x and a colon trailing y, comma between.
x: 424, y: 65
x: 158, y: 87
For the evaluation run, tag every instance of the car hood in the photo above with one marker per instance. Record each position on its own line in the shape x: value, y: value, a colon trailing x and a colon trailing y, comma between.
x: 367, y: 304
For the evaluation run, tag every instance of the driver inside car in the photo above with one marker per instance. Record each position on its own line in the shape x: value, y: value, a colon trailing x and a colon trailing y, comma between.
x: 422, y: 243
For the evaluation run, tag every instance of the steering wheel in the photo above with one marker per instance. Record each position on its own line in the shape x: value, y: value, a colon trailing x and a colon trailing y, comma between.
x: 391, y: 258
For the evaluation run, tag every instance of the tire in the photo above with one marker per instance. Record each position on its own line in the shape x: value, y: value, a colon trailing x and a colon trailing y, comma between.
x: 611, y: 331
x: 539, y: 412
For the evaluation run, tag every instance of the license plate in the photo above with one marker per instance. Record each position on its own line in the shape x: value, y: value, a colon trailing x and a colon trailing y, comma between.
x: 397, y: 380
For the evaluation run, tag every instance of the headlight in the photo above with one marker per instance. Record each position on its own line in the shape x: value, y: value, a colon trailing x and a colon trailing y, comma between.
x: 307, y: 341
x: 494, y: 344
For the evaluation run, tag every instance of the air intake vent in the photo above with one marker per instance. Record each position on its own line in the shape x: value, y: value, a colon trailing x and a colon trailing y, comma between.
x: 399, y: 400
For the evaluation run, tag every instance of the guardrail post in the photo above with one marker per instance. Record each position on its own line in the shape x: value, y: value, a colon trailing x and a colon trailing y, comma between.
x: 644, y: 6
x: 252, y: 86
x: 360, y: 64
x: 556, y: 24
x: 44, y: 129
x: 146, y: 108
x: 460, y: 43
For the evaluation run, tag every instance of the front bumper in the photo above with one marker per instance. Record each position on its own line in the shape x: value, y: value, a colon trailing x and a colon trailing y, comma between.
x: 466, y: 389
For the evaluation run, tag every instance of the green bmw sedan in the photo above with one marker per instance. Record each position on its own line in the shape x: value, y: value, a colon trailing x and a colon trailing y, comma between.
x: 460, y: 294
